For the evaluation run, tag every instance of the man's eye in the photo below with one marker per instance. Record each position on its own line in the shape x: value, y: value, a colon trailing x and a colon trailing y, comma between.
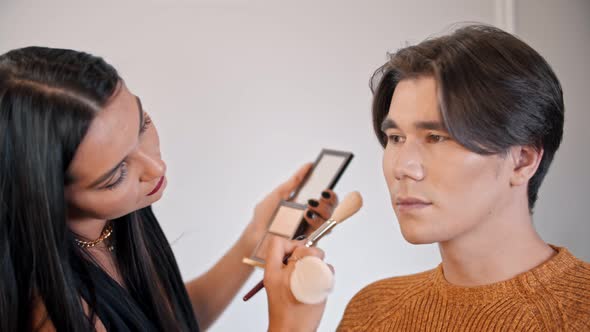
x: 395, y: 139
x: 433, y: 138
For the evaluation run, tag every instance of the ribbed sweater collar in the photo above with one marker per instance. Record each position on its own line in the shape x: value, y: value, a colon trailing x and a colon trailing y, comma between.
x: 528, y: 281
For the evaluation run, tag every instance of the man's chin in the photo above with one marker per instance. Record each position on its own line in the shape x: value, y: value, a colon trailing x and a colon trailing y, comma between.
x: 415, y: 237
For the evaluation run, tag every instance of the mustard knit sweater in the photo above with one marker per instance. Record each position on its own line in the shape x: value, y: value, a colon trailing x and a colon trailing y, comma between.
x: 554, y: 296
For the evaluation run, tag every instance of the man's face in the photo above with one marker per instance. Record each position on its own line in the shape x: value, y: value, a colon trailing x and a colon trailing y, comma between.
x: 439, y: 189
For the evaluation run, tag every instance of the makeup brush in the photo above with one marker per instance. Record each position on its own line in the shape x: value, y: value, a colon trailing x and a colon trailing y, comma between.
x: 311, y: 281
x: 349, y: 206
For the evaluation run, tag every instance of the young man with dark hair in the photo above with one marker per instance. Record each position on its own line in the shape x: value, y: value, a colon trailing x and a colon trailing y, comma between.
x: 470, y: 123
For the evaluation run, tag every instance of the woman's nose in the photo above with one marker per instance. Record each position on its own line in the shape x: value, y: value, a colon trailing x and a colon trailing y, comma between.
x: 153, y: 166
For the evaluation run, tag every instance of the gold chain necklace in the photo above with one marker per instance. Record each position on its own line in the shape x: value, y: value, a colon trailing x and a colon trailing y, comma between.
x: 105, y: 234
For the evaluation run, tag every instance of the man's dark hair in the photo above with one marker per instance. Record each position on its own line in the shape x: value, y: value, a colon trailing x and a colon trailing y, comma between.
x: 494, y: 92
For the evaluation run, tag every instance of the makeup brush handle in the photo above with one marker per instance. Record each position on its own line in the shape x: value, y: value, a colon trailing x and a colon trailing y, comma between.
x: 260, y: 284
x: 349, y: 206
x: 320, y: 232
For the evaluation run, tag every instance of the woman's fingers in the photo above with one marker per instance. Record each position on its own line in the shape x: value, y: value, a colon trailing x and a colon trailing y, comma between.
x: 329, y: 197
x: 320, y: 210
x: 302, y: 251
x: 332, y: 268
x: 287, y: 187
x: 285, y: 312
x: 277, y: 248
x: 264, y: 209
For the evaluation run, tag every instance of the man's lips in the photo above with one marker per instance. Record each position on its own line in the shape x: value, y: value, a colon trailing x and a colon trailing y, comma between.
x: 411, y: 203
x: 158, y: 186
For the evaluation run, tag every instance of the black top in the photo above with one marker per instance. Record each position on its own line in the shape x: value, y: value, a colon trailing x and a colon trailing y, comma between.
x: 115, y: 307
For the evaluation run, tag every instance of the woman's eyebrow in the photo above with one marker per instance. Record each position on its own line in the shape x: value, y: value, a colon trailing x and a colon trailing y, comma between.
x: 140, y: 108
x: 111, y: 172
x: 106, y: 175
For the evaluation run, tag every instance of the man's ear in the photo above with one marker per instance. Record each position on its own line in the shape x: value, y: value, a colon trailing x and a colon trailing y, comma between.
x: 526, y: 160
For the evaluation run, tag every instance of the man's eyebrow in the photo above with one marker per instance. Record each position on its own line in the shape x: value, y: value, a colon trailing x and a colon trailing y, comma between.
x: 388, y: 124
x: 430, y: 125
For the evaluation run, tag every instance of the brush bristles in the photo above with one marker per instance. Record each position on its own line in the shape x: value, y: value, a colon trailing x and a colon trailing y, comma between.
x: 349, y: 206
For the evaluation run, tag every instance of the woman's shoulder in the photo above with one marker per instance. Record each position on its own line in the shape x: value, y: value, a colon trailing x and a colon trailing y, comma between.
x: 42, y: 323
x: 40, y: 317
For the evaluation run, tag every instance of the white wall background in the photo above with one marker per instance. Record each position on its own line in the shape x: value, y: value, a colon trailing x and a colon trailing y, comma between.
x: 243, y: 92
x: 560, y: 31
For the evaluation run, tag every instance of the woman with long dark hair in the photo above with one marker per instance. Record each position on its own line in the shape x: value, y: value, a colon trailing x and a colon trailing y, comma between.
x: 80, y: 248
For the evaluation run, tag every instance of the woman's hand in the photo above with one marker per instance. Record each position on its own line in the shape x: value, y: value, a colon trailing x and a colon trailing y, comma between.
x: 207, y: 299
x: 285, y: 312
x: 320, y: 210
x: 264, y: 210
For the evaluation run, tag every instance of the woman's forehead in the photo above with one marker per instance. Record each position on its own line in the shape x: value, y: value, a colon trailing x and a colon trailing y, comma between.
x: 112, y: 135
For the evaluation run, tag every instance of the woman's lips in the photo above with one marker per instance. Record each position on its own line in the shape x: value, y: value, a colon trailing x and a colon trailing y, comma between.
x: 158, y: 186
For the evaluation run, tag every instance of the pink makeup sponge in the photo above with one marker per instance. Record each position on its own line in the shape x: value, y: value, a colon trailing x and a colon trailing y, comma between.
x: 311, y: 280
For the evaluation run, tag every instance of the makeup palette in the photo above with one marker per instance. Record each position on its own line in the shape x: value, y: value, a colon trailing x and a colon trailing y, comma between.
x: 287, y: 220
x: 326, y: 171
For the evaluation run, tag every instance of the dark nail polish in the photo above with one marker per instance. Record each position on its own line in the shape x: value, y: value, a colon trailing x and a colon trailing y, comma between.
x: 310, y: 214
x: 326, y: 195
x: 300, y: 237
x: 313, y: 203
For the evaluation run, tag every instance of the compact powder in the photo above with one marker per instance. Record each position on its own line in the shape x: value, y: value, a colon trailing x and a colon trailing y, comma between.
x: 286, y: 221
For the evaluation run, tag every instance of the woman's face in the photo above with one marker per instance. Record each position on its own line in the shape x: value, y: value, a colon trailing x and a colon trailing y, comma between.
x: 117, y: 168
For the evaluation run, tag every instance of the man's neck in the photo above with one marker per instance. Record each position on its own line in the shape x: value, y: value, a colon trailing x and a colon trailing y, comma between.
x: 496, y: 250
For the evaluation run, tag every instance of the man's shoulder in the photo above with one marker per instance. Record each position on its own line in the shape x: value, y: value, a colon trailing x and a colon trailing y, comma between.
x: 380, y: 299
x: 396, y: 286
x: 385, y: 295
x: 567, y: 289
x: 569, y: 273
x: 572, y: 283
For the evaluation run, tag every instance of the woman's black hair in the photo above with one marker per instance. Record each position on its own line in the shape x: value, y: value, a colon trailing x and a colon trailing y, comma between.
x: 48, y: 99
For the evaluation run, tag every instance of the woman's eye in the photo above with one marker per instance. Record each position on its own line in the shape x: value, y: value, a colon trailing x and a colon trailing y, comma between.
x: 146, y: 122
x: 120, y: 179
x: 395, y: 139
